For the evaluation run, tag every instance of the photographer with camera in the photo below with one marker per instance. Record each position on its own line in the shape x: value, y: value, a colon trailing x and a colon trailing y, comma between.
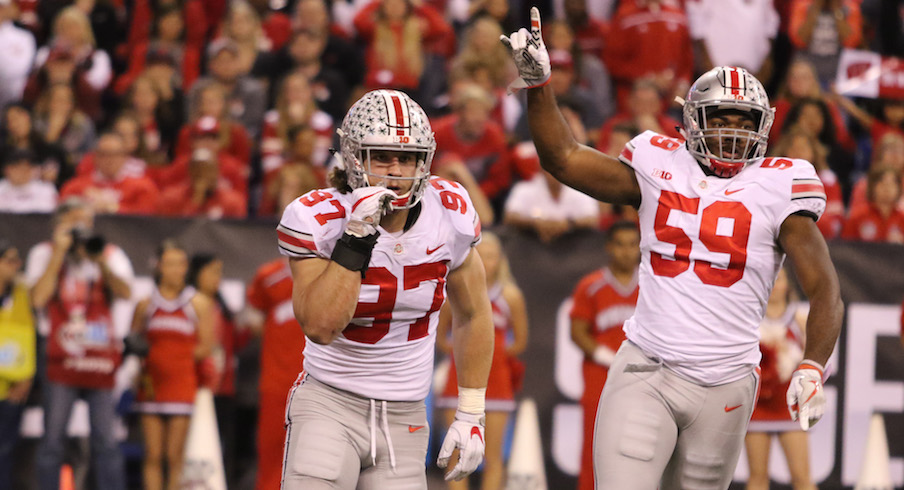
x: 75, y: 279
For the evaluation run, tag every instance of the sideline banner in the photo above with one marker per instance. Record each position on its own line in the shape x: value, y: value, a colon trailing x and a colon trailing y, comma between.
x: 869, y: 360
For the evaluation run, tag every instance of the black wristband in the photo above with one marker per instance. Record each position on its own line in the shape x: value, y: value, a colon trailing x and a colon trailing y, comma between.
x: 353, y: 253
x: 135, y: 344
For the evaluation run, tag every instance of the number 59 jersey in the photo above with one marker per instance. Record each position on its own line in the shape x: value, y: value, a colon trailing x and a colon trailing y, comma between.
x: 386, y: 352
x: 710, y: 254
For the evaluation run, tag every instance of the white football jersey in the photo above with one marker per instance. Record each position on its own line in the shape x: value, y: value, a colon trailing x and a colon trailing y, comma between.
x: 386, y: 352
x: 710, y: 254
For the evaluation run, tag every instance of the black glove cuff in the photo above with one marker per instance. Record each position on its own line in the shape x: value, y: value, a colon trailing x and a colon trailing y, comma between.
x: 353, y: 253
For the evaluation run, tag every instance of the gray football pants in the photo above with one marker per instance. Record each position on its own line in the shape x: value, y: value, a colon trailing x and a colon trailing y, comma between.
x: 655, y: 429
x: 330, y: 434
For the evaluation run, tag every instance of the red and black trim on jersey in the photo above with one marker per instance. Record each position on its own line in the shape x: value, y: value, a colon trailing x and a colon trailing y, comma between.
x: 627, y: 154
x: 296, y: 243
x: 807, y: 188
x: 397, y: 111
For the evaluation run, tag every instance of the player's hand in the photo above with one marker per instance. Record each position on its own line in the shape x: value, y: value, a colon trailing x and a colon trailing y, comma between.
x: 806, y: 397
x: 465, y: 434
x: 370, y: 204
x: 530, y: 55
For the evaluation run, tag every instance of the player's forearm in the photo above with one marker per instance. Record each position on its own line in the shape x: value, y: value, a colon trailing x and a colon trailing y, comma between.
x: 327, y: 304
x: 824, y: 322
x: 549, y: 131
x: 473, y: 349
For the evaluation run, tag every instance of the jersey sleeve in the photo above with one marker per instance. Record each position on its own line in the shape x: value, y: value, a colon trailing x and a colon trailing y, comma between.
x: 311, y: 224
x: 459, y: 210
x: 647, y: 151
x: 807, y: 195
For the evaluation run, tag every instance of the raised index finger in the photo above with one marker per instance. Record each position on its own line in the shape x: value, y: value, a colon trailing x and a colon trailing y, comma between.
x: 535, y: 24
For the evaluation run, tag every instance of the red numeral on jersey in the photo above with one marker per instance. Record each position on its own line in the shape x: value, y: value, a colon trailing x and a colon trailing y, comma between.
x: 779, y: 163
x: 316, y: 197
x: 453, y: 201
x: 664, y: 143
x: 381, y: 310
x: 734, y: 244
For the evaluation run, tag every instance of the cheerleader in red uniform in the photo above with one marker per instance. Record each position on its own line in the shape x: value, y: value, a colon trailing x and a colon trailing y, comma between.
x: 509, y: 317
x: 782, y: 334
x: 177, y: 325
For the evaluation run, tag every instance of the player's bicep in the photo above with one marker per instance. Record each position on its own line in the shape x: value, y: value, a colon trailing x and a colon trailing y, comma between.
x: 806, y: 248
x: 467, y: 289
x: 600, y: 176
x: 304, y: 273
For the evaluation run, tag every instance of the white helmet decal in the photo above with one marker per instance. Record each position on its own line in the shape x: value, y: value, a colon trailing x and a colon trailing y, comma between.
x: 727, y: 88
x: 386, y: 120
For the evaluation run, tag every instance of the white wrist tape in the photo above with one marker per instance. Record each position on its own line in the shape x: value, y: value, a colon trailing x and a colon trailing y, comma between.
x: 472, y: 400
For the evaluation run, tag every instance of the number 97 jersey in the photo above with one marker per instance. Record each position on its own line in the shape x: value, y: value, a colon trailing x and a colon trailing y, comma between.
x: 710, y: 254
x: 386, y: 351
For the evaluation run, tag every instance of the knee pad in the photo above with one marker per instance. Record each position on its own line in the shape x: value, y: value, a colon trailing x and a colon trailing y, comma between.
x: 320, y: 450
x: 703, y: 472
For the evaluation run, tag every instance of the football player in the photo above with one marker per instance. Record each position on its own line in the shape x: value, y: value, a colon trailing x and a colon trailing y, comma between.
x: 372, y: 260
x: 716, y: 221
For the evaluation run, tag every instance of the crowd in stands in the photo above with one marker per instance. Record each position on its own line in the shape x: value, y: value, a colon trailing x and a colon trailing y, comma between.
x: 223, y: 108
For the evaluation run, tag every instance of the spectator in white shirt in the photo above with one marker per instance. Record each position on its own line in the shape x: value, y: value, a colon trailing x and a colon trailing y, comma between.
x: 733, y: 33
x: 17, y: 54
x: 549, y: 208
x: 22, y: 190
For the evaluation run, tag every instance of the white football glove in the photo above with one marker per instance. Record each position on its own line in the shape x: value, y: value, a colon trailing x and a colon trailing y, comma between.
x: 530, y: 55
x: 603, y: 355
x: 806, y: 397
x: 370, y: 204
x: 466, y: 434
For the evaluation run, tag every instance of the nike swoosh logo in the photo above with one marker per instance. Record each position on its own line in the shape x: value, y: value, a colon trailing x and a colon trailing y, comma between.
x: 475, y: 431
x: 430, y: 251
x: 415, y: 428
x: 728, y: 193
x: 729, y: 409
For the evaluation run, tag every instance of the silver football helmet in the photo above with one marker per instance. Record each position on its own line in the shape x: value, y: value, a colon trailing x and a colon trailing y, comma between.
x: 726, y: 151
x: 386, y: 120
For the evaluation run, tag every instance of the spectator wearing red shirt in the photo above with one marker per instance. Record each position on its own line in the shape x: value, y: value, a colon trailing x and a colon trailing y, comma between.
x: 158, y: 108
x: 603, y: 300
x: 649, y: 39
x: 126, y: 127
x: 469, y: 136
x: 296, y: 176
x: 167, y: 46
x: 395, y: 33
x: 889, y: 153
x: 144, y: 20
x: 295, y: 107
x: 245, y: 96
x: 112, y: 187
x: 796, y: 143
x: 205, y: 194
x: 801, y: 82
x: 644, y: 113
x: 892, y: 120
x: 206, y: 134
x: 210, y: 101
x: 880, y: 221
x: 589, y: 33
